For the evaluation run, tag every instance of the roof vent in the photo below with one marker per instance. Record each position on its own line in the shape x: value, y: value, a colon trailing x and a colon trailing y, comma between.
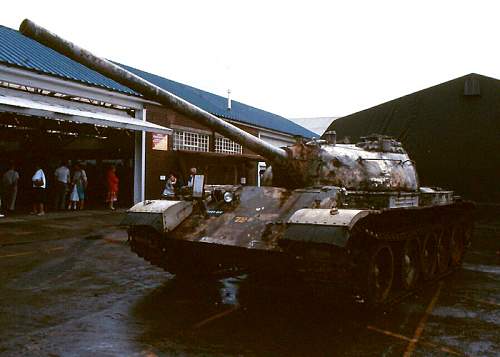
x: 471, y: 86
x: 229, y: 99
x: 330, y: 137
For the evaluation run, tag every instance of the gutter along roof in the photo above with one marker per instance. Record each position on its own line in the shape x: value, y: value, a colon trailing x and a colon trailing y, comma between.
x: 20, y: 51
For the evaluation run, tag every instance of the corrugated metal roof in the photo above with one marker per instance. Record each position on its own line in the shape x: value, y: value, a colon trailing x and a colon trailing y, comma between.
x: 21, y: 51
x: 217, y: 105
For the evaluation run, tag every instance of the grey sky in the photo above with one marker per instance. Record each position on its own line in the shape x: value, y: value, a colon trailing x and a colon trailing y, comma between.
x: 297, y: 59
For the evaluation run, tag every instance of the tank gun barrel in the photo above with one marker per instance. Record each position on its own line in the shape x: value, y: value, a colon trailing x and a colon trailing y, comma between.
x: 151, y: 91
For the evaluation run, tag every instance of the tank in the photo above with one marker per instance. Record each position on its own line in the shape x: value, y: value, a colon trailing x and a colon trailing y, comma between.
x: 352, y: 216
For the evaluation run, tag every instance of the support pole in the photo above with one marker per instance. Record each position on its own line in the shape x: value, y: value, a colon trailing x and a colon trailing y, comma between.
x: 140, y: 160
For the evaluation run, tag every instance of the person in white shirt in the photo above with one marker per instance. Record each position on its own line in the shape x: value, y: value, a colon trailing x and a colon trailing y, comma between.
x: 61, y: 176
x: 39, y: 186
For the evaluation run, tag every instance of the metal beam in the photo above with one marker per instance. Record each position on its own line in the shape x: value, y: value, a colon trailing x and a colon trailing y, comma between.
x: 51, y: 83
x: 71, y: 112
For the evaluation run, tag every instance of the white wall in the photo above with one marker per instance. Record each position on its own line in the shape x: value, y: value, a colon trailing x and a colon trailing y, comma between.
x: 276, y: 139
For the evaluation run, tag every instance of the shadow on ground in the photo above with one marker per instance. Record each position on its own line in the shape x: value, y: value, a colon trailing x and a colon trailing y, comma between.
x: 235, y: 316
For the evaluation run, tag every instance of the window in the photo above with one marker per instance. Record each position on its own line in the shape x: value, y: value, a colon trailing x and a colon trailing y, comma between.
x: 185, y: 140
x: 226, y: 146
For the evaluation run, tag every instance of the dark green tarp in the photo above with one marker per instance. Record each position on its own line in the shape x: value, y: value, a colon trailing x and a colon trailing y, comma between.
x: 451, y: 130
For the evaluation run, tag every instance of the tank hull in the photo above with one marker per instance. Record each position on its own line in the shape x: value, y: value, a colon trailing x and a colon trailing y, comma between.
x: 343, y: 260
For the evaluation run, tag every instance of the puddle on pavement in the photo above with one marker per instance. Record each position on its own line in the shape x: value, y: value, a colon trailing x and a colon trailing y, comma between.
x: 283, y: 321
x: 490, y: 269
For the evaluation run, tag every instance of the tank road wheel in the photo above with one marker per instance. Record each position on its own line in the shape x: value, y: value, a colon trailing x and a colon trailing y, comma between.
x: 380, y: 274
x: 443, y: 251
x: 457, y: 245
x: 409, y: 261
x: 428, y: 255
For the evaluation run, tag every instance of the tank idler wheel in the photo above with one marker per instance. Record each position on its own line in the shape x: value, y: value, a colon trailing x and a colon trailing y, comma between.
x: 428, y: 255
x: 457, y: 246
x: 468, y: 230
x: 409, y: 263
x: 139, y: 252
x: 136, y: 247
x: 380, y: 274
x: 443, y: 251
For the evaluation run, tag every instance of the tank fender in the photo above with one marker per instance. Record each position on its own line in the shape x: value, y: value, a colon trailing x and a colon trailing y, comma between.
x: 328, y: 217
x: 327, y: 226
x: 162, y: 215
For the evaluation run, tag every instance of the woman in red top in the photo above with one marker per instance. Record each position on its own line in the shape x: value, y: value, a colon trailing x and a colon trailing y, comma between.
x: 112, y: 184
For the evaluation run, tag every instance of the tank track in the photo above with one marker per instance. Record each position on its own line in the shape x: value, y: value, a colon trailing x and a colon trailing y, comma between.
x: 426, y: 245
x: 405, y: 240
x: 187, y: 260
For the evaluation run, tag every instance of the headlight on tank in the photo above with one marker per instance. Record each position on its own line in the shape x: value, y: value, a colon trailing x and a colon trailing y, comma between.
x: 228, y: 197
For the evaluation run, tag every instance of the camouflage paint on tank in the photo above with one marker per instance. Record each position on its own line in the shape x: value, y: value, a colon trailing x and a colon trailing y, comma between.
x: 318, y: 163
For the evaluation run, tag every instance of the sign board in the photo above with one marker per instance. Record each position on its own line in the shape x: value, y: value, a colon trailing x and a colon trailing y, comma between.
x: 198, y: 186
x: 160, y: 142
x: 215, y: 212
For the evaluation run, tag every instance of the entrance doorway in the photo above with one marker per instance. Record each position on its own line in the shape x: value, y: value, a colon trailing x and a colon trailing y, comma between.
x: 26, y: 140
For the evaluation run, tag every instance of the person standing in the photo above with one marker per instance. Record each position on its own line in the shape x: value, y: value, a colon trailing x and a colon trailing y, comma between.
x: 112, y: 183
x: 73, y: 197
x: 62, y: 177
x: 170, y: 187
x: 10, y: 180
x: 80, y: 181
x: 39, y: 185
x: 192, y: 174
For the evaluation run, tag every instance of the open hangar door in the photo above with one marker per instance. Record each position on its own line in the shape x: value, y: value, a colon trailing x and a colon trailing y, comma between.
x: 47, y: 130
x: 28, y: 140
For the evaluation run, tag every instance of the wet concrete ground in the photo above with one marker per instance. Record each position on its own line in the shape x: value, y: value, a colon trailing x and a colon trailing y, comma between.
x: 69, y: 286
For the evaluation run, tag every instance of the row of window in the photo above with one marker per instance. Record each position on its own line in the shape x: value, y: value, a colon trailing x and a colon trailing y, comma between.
x: 224, y: 145
x: 185, y: 140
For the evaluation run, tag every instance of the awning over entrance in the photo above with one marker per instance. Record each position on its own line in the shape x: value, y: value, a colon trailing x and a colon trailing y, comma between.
x: 75, y: 112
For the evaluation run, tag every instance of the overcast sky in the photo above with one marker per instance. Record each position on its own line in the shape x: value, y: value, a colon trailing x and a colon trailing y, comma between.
x: 296, y: 59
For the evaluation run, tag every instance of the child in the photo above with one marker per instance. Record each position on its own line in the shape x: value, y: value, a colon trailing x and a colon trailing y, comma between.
x: 74, y: 198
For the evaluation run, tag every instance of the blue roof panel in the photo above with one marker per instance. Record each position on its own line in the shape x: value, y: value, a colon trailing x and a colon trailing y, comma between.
x: 21, y: 51
x: 217, y: 105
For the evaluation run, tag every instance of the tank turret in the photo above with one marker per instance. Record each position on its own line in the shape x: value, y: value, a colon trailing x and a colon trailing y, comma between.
x: 377, y: 163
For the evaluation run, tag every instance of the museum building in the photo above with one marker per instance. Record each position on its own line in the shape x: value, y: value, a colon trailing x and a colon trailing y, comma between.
x: 53, y: 108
